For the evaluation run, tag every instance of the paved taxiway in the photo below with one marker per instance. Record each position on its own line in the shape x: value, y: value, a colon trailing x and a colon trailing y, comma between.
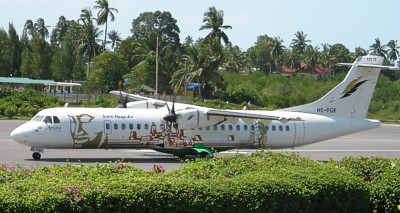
x: 383, y: 142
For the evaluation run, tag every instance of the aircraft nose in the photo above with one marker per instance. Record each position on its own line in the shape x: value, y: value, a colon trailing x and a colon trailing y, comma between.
x: 19, y: 135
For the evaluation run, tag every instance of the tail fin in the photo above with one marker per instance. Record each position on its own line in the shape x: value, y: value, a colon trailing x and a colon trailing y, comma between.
x: 350, y: 98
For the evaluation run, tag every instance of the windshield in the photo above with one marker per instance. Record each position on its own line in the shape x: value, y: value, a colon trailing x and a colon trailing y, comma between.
x: 37, y: 118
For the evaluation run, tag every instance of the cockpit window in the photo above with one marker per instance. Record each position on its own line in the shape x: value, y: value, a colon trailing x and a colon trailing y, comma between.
x: 56, y: 120
x: 37, y: 118
x: 47, y: 120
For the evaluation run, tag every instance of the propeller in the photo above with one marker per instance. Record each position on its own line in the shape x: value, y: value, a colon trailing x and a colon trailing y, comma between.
x: 171, y: 117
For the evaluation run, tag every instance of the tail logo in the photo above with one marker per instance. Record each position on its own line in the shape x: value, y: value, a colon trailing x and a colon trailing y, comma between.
x: 351, y: 88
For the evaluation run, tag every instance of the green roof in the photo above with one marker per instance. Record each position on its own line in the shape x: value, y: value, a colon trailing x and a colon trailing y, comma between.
x: 18, y: 80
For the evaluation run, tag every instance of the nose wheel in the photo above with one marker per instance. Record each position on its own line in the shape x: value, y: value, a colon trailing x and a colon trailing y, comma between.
x: 36, y: 155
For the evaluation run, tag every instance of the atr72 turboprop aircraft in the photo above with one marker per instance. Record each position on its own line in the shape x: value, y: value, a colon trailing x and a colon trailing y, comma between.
x: 183, y: 129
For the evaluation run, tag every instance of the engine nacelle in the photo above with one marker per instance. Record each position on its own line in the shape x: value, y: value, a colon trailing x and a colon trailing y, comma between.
x: 195, y: 118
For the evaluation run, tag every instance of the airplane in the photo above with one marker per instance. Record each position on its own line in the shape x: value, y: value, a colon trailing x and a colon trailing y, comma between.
x: 185, y: 129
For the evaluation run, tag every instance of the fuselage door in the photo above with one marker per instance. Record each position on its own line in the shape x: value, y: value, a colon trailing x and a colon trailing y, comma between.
x: 107, y: 127
x: 299, y: 136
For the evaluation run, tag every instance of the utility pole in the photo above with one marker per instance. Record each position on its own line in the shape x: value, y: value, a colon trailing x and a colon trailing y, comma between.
x: 157, y: 69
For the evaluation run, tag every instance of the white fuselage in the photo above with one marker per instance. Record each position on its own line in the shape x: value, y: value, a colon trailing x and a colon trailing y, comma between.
x: 67, y: 128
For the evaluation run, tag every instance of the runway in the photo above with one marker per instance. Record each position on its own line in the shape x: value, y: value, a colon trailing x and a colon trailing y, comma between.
x: 380, y: 142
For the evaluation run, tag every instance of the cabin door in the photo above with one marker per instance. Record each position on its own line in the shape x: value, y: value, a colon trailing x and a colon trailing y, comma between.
x: 299, y: 136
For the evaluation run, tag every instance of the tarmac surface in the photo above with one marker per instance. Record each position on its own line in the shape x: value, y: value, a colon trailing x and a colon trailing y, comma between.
x: 380, y: 142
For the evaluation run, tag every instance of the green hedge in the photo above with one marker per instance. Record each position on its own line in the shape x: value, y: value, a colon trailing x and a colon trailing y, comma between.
x: 260, y: 182
x: 382, y: 176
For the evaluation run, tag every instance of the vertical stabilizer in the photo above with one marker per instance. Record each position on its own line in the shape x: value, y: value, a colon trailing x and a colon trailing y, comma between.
x: 350, y: 98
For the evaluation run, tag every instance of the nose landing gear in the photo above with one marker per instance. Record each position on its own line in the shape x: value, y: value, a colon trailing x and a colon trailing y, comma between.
x: 37, y: 153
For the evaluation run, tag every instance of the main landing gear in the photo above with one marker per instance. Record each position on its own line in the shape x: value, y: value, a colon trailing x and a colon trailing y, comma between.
x: 37, y: 153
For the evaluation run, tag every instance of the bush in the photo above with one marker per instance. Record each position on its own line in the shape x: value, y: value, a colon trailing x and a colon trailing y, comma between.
x: 26, y: 103
x: 260, y: 182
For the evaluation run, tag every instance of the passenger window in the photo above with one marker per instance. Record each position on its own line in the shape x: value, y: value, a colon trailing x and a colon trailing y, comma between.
x: 146, y: 126
x: 56, y: 120
x: 123, y: 126
x: 48, y: 120
x: 252, y: 127
x: 138, y: 126
x: 237, y: 127
x: 207, y: 128
x: 130, y: 126
x: 115, y: 126
x: 215, y: 127
x: 274, y: 128
x: 107, y: 126
x: 222, y: 127
x: 230, y: 127
x: 280, y: 128
x: 287, y: 128
x: 245, y: 127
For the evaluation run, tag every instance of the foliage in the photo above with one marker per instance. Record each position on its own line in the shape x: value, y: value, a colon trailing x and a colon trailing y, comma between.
x: 107, y: 71
x: 260, y: 182
x: 26, y: 103
x: 383, y: 177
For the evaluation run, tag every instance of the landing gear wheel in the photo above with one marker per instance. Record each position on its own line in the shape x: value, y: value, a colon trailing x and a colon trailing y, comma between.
x: 36, y: 155
x: 205, y: 155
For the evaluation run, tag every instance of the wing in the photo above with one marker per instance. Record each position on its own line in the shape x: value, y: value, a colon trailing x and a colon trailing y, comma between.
x: 249, y: 115
x: 140, y: 101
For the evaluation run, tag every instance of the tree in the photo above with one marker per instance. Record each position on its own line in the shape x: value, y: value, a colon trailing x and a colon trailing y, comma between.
x: 235, y: 59
x: 299, y: 43
x: 393, y: 51
x: 260, y: 57
x: 88, y: 45
x: 108, y: 71
x: 58, y: 33
x: 115, y: 38
x: 15, y: 50
x: 276, y: 50
x: 214, y: 20
x: 311, y: 57
x: 378, y: 49
x: 29, y: 28
x: 102, y: 16
x: 201, y: 66
x: 360, y: 52
x: 41, y: 28
x: 161, y: 23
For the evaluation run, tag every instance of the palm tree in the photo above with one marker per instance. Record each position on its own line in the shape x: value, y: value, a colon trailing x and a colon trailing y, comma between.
x: 393, y: 50
x: 300, y: 42
x: 311, y: 57
x: 378, y: 49
x: 360, y: 52
x: 41, y: 28
x: 277, y: 49
x: 115, y: 38
x: 86, y: 16
x: 103, y: 14
x: 214, y: 20
x: 88, y: 46
x: 29, y: 28
x: 60, y: 30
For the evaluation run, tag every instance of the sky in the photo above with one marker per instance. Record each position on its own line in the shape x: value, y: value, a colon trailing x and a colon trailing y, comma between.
x: 353, y: 23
